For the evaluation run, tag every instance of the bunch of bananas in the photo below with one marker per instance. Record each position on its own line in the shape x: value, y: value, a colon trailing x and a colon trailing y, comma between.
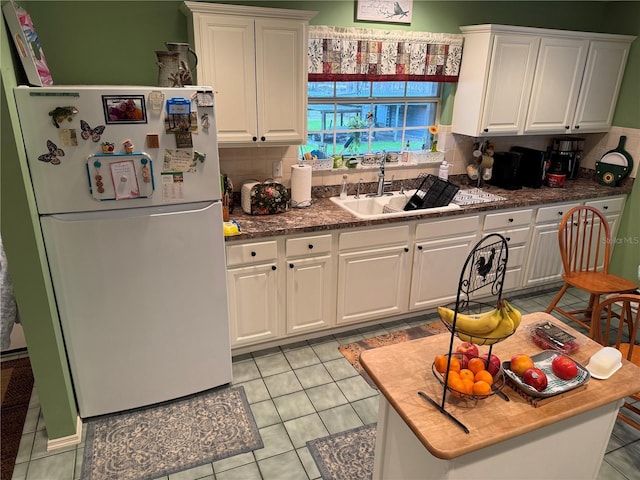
x: 484, y: 328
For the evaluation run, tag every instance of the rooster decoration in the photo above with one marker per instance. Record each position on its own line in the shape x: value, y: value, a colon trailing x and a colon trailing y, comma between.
x: 484, y: 265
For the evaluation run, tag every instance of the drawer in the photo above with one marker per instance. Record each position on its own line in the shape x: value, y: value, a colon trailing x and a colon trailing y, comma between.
x: 608, y: 205
x: 515, y: 236
x: 554, y: 213
x: 517, y: 256
x: 252, y: 253
x: 494, y: 221
x: 374, y: 238
x: 308, y: 245
x: 447, y: 228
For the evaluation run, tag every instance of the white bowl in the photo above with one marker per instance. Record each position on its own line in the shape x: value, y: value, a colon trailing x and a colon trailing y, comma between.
x: 605, y: 363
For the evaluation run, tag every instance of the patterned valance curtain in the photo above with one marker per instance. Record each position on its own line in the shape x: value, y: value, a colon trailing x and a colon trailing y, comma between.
x: 344, y: 54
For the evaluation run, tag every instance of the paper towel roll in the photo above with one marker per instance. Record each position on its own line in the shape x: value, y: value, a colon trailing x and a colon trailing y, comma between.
x: 301, y: 185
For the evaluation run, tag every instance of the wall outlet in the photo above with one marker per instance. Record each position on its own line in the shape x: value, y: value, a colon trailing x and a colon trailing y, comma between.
x: 277, y: 168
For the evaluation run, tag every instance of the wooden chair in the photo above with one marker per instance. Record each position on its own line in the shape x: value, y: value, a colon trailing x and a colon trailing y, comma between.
x: 616, y: 312
x: 585, y: 247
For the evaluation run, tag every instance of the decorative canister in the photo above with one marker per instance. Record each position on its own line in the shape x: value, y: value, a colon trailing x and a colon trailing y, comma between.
x: 185, y: 67
x: 169, y: 69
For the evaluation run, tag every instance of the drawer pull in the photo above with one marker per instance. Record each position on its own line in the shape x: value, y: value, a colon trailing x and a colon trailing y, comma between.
x: 273, y: 267
x: 253, y: 254
x: 508, y: 239
x: 406, y: 249
x: 605, y: 207
x: 510, y: 220
x: 419, y: 247
x: 310, y: 246
x: 560, y: 213
x: 291, y: 265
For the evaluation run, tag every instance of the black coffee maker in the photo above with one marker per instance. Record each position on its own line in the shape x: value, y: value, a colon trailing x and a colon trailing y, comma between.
x: 564, y: 156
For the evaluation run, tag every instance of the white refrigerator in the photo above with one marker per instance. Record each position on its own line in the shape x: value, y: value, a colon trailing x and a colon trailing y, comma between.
x: 127, y: 186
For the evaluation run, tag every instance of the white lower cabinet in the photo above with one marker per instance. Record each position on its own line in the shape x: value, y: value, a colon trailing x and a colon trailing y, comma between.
x: 440, y: 251
x: 310, y: 284
x: 252, y: 282
x: 545, y: 265
x: 373, y: 279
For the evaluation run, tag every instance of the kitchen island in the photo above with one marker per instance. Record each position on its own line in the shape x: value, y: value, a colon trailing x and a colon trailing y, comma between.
x: 564, y: 438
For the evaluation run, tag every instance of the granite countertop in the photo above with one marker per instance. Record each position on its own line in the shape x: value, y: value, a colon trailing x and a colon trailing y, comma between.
x: 323, y: 214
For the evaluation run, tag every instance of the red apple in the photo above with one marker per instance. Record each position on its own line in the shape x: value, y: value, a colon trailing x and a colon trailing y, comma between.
x: 470, y: 350
x: 535, y: 378
x: 494, y: 366
x: 564, y: 368
x: 521, y: 363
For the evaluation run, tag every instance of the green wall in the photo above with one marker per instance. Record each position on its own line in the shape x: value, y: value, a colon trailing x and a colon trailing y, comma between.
x: 113, y: 42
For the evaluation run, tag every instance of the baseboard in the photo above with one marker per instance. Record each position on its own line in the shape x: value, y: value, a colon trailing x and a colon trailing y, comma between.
x: 76, y: 438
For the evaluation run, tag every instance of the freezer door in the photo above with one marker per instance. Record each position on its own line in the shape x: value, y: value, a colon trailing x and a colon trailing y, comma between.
x: 142, y: 299
x: 63, y: 129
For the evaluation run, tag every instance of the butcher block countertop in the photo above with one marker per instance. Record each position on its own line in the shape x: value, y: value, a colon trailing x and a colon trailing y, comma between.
x: 323, y: 214
x: 402, y: 369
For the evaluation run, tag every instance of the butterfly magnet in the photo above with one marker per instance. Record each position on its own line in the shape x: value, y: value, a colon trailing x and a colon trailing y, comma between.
x: 52, y: 156
x: 94, y: 133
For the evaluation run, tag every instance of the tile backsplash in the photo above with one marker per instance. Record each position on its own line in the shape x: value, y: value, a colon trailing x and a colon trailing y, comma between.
x: 251, y: 163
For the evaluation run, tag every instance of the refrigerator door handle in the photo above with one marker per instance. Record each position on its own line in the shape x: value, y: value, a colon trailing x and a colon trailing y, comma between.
x: 152, y: 211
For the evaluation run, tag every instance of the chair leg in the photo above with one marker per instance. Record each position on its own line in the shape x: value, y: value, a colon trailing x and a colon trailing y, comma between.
x: 557, y: 298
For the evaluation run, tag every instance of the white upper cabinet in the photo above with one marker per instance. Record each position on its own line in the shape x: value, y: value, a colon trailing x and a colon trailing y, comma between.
x: 256, y: 60
x: 520, y: 80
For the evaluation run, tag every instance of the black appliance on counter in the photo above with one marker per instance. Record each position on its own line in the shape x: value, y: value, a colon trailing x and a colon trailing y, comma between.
x: 517, y: 168
x: 564, y: 156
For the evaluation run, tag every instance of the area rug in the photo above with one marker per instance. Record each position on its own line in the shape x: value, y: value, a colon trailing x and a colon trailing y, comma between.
x: 17, y: 383
x: 171, y: 437
x: 352, y: 351
x: 346, y: 455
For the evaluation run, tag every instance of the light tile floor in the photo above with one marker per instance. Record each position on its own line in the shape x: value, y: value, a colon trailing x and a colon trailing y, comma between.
x: 297, y: 393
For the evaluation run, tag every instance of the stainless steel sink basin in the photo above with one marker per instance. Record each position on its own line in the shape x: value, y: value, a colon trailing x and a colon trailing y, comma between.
x: 388, y: 206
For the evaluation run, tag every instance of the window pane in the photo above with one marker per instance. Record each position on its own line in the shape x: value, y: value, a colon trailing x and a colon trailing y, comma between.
x: 388, y: 115
x: 422, y: 89
x: 353, y: 89
x: 320, y: 116
x: 352, y: 115
x: 320, y: 89
x: 388, y: 140
x: 388, y: 89
x: 319, y: 144
x: 420, y: 114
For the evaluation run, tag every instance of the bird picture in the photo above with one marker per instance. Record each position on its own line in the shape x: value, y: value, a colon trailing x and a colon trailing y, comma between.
x: 397, y: 10
x: 484, y: 265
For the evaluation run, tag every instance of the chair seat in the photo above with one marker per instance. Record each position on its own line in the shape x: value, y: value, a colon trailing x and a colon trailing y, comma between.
x: 635, y: 354
x: 599, y: 283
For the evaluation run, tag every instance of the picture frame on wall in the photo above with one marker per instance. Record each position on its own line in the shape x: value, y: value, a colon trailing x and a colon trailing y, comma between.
x: 386, y: 11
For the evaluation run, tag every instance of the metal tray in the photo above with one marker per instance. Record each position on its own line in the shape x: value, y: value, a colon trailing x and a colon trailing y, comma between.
x: 555, y: 385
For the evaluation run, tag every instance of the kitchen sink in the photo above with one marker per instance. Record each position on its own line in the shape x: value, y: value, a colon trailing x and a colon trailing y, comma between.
x: 388, y: 206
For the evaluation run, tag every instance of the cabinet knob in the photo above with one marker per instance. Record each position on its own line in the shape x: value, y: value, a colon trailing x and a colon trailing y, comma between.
x: 291, y: 265
x: 577, y: 127
x: 508, y: 239
x: 510, y: 220
x: 310, y: 246
x: 419, y: 247
x: 273, y: 267
x: 406, y: 249
x: 253, y: 254
x: 255, y: 139
x: 485, y: 130
x: 605, y: 207
x: 566, y: 127
x: 263, y: 138
x: 560, y: 213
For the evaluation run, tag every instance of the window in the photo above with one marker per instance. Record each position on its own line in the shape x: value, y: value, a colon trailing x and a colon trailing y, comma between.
x: 373, y: 116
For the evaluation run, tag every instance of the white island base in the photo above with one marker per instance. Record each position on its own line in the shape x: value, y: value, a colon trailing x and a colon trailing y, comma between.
x: 572, y: 448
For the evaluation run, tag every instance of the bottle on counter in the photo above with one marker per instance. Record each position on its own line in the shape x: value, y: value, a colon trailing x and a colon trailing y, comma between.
x: 343, y: 192
x: 443, y: 173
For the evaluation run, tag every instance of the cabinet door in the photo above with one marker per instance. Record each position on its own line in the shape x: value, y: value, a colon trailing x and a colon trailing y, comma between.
x: 556, y: 85
x: 253, y: 303
x: 281, y: 81
x: 309, y: 295
x: 509, y: 84
x: 226, y: 51
x: 600, y: 85
x: 545, y: 263
x: 436, y: 271
x: 372, y: 284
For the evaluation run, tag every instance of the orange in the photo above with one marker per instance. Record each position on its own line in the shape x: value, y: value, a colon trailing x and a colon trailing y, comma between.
x: 476, y: 364
x: 484, y: 376
x: 455, y: 365
x: 440, y: 363
x: 456, y: 384
x: 466, y: 374
x: 452, y: 376
x: 481, y: 388
x: 468, y: 386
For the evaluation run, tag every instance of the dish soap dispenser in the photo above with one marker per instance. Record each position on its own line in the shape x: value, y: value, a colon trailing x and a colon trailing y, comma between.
x: 343, y: 192
x: 443, y: 173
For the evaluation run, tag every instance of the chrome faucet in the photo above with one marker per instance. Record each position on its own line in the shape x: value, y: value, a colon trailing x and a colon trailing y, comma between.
x: 360, y: 184
x: 381, y: 183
